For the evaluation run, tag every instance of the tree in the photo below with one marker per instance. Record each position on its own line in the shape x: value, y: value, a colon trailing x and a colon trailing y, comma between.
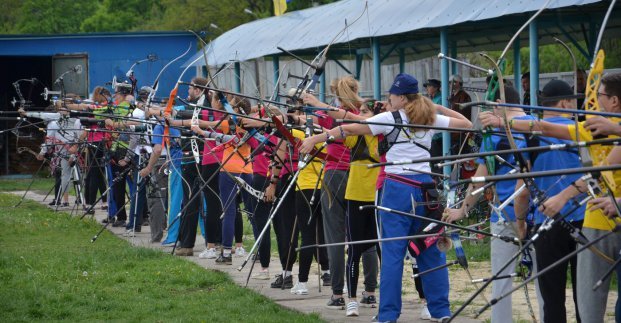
x: 52, y: 16
x: 9, y: 16
x: 120, y: 15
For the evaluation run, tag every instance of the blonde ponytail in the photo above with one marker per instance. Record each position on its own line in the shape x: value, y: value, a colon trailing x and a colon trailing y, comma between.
x: 347, y: 92
x: 420, y: 110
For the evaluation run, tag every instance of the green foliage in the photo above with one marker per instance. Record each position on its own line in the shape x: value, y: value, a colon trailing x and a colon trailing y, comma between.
x: 119, y: 15
x: 49, y: 271
x: 49, y: 16
x: 554, y: 58
x: 9, y: 16
x: 198, y: 15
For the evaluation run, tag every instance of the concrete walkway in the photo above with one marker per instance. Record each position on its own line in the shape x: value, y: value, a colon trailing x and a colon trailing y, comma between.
x: 313, y: 303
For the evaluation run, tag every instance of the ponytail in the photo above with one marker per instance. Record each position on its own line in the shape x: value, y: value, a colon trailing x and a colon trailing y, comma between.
x: 420, y: 110
x: 347, y: 92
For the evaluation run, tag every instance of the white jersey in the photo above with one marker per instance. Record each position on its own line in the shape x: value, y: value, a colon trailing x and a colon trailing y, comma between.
x: 406, y: 150
x: 61, y: 134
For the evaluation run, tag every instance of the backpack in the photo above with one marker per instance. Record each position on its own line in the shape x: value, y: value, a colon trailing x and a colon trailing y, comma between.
x: 391, y: 138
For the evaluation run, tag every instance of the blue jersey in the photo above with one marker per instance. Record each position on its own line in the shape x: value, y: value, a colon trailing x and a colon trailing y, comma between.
x: 504, y: 189
x: 554, y: 160
x: 174, y: 151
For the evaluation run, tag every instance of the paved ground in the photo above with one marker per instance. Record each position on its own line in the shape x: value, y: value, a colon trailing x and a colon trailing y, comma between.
x: 312, y: 303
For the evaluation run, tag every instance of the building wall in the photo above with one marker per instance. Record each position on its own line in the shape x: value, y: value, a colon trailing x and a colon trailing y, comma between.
x: 421, y: 69
x: 111, y: 54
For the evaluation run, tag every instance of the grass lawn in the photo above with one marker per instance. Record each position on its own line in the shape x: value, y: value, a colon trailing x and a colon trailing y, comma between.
x: 50, y: 271
x: 40, y: 184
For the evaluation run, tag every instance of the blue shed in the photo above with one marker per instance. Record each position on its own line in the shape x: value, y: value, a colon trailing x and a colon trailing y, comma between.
x: 102, y: 56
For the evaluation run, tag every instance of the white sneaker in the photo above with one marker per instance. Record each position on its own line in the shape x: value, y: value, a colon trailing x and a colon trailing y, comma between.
x: 424, y: 313
x: 129, y: 233
x: 352, y: 309
x: 299, y: 289
x: 442, y: 319
x: 262, y: 275
x: 208, y: 253
x: 240, y: 252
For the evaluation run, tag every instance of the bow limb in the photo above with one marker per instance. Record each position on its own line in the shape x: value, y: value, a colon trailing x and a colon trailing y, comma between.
x: 592, y: 104
x: 223, y: 100
x: 21, y: 150
x: 193, y: 142
x: 171, y: 101
x: 156, y: 83
x: 308, y: 84
x: 573, y: 60
x: 248, y: 188
x: 593, y: 82
x: 523, y: 167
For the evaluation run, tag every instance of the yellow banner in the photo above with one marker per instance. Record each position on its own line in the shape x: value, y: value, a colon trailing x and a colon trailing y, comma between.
x: 280, y: 6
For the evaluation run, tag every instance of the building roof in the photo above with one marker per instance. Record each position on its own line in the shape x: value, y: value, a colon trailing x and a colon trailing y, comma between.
x: 410, y: 24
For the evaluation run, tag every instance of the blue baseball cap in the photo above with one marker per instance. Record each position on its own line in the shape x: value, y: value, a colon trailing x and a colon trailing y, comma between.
x: 404, y: 84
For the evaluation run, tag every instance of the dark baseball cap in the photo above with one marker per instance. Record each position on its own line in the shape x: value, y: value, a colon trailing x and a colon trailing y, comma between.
x: 433, y: 82
x: 404, y: 84
x: 557, y: 90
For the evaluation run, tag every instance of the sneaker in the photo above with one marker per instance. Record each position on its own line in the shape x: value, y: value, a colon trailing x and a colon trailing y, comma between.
x: 53, y: 203
x: 107, y: 220
x: 352, y: 309
x: 424, y: 313
x: 240, y: 252
x: 65, y: 204
x: 224, y: 260
x: 442, y: 319
x: 130, y: 233
x: 336, y: 304
x: 185, y: 252
x: 262, y: 275
x: 118, y: 223
x: 368, y: 300
x: 136, y: 229
x: 326, y: 279
x: 208, y: 253
x: 286, y: 283
x: 299, y: 289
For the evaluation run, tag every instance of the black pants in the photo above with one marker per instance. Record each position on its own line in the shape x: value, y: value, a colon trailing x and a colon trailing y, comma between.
x: 118, y: 190
x: 213, y: 224
x: 239, y: 222
x: 259, y: 220
x: 312, y: 233
x: 284, y: 223
x: 95, y: 175
x: 360, y: 226
x: 550, y: 247
x: 57, y: 183
x: 190, y: 216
